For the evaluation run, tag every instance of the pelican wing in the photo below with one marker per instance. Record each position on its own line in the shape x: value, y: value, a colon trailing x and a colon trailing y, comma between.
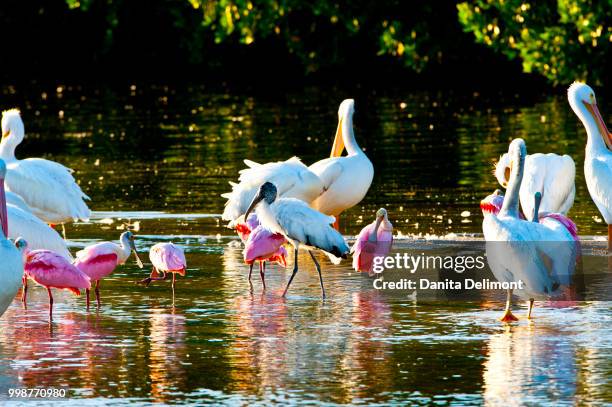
x: 329, y: 170
x: 49, y: 188
x: 36, y: 232
x: 299, y: 222
x: 291, y: 178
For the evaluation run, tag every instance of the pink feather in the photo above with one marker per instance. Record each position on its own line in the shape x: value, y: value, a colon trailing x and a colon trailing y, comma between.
x: 51, y: 270
x: 167, y: 257
x: 96, y: 263
x: 364, y: 250
x: 264, y: 245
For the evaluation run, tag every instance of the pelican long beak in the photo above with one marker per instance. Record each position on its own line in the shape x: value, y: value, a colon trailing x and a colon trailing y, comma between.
x: 253, y: 204
x: 603, y: 129
x: 138, y: 261
x: 338, y: 147
x: 3, y: 210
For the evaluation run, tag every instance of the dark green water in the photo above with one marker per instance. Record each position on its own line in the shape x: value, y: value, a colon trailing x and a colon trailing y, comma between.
x: 158, y: 157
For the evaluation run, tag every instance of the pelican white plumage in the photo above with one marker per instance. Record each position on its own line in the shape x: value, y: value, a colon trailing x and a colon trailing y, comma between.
x: 347, y: 179
x: 46, y: 186
x: 550, y: 174
x: 11, y: 265
x: 16, y: 200
x: 331, y: 185
x: 37, y: 233
x: 292, y: 177
x: 541, y: 255
x: 598, y: 156
x: 301, y: 225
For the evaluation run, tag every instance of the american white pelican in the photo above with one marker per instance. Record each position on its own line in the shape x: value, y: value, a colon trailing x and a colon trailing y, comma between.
x: 11, y: 263
x: 598, y: 157
x: 16, y: 200
x: 550, y: 174
x: 293, y: 178
x: 347, y: 179
x: 330, y: 185
x: 46, y: 186
x: 301, y: 225
x: 541, y: 255
x: 37, y: 233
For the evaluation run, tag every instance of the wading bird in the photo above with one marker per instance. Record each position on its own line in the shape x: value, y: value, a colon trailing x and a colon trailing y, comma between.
x: 166, y: 258
x: 331, y: 185
x: 550, y: 174
x: 541, y: 255
x: 300, y: 225
x: 11, y: 263
x: 598, y: 157
x: 374, y: 240
x: 46, y: 186
x: 263, y: 245
x: 100, y: 260
x: 50, y: 270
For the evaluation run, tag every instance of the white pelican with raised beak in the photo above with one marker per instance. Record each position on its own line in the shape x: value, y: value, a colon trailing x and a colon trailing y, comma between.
x: 347, y: 179
x: 598, y: 156
x: 46, y: 186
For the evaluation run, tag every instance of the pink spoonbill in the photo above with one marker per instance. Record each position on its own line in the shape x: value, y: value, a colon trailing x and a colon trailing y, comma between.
x: 50, y: 270
x: 101, y: 259
x: 166, y: 258
x: 374, y: 240
x: 263, y: 245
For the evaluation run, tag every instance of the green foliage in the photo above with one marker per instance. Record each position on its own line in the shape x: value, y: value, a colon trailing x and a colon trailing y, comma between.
x: 563, y: 40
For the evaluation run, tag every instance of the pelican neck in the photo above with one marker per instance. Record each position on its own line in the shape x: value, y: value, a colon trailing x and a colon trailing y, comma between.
x: 348, y: 137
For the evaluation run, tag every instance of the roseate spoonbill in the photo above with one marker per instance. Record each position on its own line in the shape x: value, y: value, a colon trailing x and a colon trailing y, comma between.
x: 347, y: 179
x: 300, y: 225
x: 550, y: 174
x: 37, y: 233
x: 11, y: 265
x: 50, y: 270
x: 264, y: 245
x: 166, y: 258
x: 541, y: 255
x: 100, y: 260
x: 330, y: 185
x: 46, y: 186
x: 374, y: 240
x: 598, y: 157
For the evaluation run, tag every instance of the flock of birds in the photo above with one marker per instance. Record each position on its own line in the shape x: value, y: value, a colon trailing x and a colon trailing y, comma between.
x: 288, y: 203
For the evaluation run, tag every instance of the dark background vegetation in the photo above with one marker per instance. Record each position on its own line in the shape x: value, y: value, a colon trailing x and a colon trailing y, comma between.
x: 288, y: 42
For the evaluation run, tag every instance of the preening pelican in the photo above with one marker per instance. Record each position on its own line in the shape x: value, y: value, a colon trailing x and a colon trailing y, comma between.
x: 301, y: 225
x: 550, y: 174
x: 11, y: 265
x: 347, y: 179
x: 331, y: 185
x: 598, y: 157
x: 46, y: 186
x: 541, y: 255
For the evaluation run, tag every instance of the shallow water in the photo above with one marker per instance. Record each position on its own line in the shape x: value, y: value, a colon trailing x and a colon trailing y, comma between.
x: 158, y: 157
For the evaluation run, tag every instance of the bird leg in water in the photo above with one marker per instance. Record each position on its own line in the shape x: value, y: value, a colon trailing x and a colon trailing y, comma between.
x: 50, y: 304
x: 295, y: 270
x: 609, y: 247
x: 250, y: 271
x: 318, y: 267
x: 87, y: 297
x: 173, y: 285
x: 153, y: 277
x: 64, y: 231
x: 508, y: 316
x: 24, y: 292
x: 98, y: 292
x: 262, y: 272
x: 530, y: 308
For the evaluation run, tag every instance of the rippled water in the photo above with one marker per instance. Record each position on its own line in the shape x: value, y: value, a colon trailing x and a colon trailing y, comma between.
x: 158, y: 157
